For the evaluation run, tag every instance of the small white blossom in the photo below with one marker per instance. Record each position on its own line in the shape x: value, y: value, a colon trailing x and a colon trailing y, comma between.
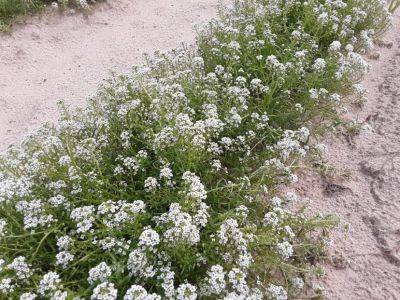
x: 137, y: 292
x: 99, y: 273
x: 64, y: 242
x: 6, y: 286
x: 151, y: 184
x: 319, y: 65
x: 3, y: 225
x: 28, y: 296
x: 277, y: 292
x: 20, y: 267
x: 104, y: 291
x: 186, y: 291
x: 63, y: 258
x: 49, y: 282
x: 285, y: 249
x: 149, y: 238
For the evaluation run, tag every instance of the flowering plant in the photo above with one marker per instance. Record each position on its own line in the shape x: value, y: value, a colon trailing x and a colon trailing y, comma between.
x: 165, y: 186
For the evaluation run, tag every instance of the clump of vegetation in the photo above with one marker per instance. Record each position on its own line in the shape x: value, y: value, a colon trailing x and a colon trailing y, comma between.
x: 166, y: 185
x: 394, y: 5
x: 10, y: 10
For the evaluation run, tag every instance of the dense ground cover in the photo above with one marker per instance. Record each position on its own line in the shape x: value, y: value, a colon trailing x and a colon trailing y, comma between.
x: 165, y: 186
x: 11, y: 9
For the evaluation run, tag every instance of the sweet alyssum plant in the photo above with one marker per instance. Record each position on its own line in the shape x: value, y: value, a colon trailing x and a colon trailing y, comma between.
x: 165, y: 186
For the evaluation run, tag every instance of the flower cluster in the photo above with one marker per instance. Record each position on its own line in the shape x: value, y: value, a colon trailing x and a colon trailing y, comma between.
x: 166, y: 185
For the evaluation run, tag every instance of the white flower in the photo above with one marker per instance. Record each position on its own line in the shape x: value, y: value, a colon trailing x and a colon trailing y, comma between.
x: 291, y: 197
x: 117, y: 214
x: 21, y: 267
x: 196, y: 189
x: 180, y: 225
x: 319, y: 65
x: 2, y: 263
x: 3, y: 225
x: 233, y: 119
x: 321, y: 148
x: 335, y: 98
x: 257, y: 86
x: 238, y: 280
x: 349, y: 48
x: 59, y: 200
x: 166, y: 173
x: 63, y: 258
x: 335, y: 46
x: 193, y: 145
x: 249, y: 30
x: 289, y: 231
x: 59, y: 295
x: 276, y: 201
x: 83, y: 4
x: 296, y: 34
x: 314, y: 94
x: 49, y: 282
x: 271, y: 218
x: 6, y: 286
x: 151, y: 184
x: 131, y: 164
x: 34, y: 213
x: 64, y: 160
x: 276, y: 292
x: 216, y: 163
x: 149, y: 238
x: 138, y: 265
x: 234, y: 45
x: 28, y: 296
x: 84, y: 216
x: 285, y: 249
x: 137, y: 292
x: 64, y: 242
x: 186, y: 291
x: 99, y: 273
x: 242, y: 211
x: 104, y: 291
x: 297, y: 283
x: 215, y: 281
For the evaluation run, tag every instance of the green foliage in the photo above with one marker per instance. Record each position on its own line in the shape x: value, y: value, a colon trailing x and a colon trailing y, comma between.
x: 168, y: 184
x: 11, y: 10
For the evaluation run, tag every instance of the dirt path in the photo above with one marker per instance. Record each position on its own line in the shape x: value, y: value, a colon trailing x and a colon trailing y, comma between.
x: 66, y: 57
x: 366, y: 191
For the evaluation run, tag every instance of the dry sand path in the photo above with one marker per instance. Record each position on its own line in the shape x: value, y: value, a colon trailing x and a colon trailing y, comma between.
x: 57, y: 57
x: 366, y: 191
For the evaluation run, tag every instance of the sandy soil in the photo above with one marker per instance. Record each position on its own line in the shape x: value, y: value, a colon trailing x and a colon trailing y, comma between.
x: 365, y: 193
x: 57, y: 57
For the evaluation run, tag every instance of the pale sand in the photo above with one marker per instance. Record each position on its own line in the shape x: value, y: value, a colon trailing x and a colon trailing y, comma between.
x: 365, y: 193
x: 57, y: 57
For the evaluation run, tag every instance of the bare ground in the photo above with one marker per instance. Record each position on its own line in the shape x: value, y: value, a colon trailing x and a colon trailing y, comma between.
x: 365, y: 192
x: 59, y: 57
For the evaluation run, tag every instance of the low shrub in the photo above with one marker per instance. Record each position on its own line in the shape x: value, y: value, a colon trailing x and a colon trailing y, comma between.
x: 167, y: 185
x: 12, y: 9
